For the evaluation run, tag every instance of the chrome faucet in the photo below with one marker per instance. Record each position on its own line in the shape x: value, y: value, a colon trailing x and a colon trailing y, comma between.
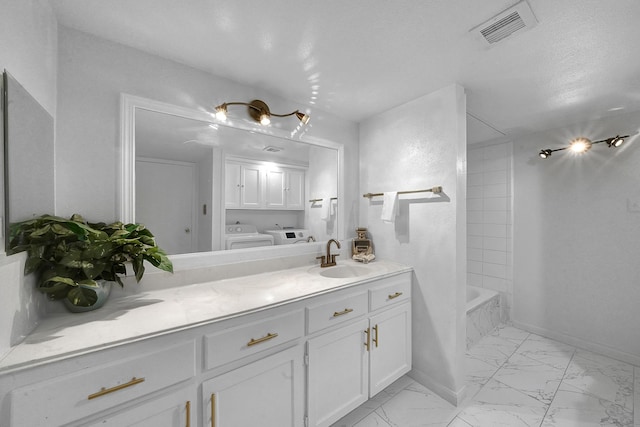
x: 329, y: 260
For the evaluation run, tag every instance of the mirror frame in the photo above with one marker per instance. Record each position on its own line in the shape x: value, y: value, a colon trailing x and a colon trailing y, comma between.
x: 126, y: 185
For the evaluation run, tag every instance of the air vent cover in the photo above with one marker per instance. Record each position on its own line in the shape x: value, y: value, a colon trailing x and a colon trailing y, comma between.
x: 516, y: 19
x: 272, y: 149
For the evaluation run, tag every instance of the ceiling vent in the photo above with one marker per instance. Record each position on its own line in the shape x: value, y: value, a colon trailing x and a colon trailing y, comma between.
x: 515, y: 20
x: 272, y: 149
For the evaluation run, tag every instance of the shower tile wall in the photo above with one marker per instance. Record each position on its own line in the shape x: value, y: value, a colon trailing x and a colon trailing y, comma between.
x: 489, y: 224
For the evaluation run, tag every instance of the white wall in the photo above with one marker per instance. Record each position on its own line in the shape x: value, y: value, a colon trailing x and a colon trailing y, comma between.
x: 28, y: 43
x: 576, y: 241
x: 419, y: 145
x: 489, y: 220
x: 92, y: 74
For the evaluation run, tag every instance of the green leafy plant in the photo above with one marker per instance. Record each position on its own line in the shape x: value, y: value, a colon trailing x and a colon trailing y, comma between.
x: 70, y: 255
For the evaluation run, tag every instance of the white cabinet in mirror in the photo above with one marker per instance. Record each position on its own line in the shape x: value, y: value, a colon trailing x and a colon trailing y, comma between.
x: 186, y: 175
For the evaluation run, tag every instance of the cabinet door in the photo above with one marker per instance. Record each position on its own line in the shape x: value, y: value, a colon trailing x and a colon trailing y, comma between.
x: 337, y: 373
x: 251, y: 187
x: 294, y: 190
x: 266, y: 393
x: 232, y: 185
x: 275, y: 189
x: 173, y: 410
x: 390, y: 355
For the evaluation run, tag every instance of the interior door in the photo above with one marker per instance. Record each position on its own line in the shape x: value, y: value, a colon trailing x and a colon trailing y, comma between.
x: 165, y: 202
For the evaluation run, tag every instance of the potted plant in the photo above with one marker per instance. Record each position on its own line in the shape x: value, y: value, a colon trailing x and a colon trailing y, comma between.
x: 74, y: 260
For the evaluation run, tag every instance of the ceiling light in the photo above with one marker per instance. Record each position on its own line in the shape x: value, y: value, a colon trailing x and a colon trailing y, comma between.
x: 259, y: 111
x: 582, y: 145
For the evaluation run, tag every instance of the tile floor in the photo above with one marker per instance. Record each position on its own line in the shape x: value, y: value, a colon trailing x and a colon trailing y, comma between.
x: 514, y: 379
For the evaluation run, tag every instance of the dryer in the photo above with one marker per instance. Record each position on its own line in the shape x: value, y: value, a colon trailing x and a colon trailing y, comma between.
x: 289, y: 236
x: 239, y: 236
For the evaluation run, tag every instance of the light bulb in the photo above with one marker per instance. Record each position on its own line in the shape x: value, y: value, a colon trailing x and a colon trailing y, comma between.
x: 265, y: 120
x: 221, y: 113
x: 580, y: 145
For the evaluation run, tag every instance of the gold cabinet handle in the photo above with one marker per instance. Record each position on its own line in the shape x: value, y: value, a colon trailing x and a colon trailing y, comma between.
x: 375, y: 340
x: 267, y: 337
x: 396, y: 295
x: 368, y: 341
x: 104, y: 390
x: 188, y: 408
x: 340, y: 313
x: 213, y: 410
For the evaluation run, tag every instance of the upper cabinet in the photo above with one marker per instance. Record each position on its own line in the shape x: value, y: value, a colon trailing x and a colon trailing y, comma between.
x: 253, y: 186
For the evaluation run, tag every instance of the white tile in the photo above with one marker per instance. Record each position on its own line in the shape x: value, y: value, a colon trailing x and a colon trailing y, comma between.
x: 494, y: 230
x: 498, y: 177
x: 494, y: 243
x: 475, y: 217
x: 602, y: 377
x: 531, y: 377
x: 475, y: 192
x: 495, y: 217
x: 500, y: 405
x: 494, y: 257
x: 475, y: 242
x: 573, y: 408
x: 475, y: 155
x: 459, y: 422
x: 475, y: 204
x: 474, y: 279
x: 497, y: 151
x: 494, y: 270
x: 474, y: 254
x: 496, y: 164
x: 547, y: 351
x: 475, y: 229
x: 474, y: 267
x: 475, y: 179
x: 495, y: 283
x: 474, y: 166
x: 495, y: 204
x: 494, y: 190
x: 416, y: 406
x: 372, y: 420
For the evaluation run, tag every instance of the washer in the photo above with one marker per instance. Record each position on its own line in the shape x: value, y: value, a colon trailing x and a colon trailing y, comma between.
x: 239, y: 236
x: 289, y: 236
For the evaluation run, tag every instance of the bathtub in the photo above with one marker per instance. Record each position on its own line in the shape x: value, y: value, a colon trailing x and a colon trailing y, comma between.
x: 483, y: 313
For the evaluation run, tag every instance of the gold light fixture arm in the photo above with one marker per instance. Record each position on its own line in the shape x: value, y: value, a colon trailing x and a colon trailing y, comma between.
x: 259, y: 111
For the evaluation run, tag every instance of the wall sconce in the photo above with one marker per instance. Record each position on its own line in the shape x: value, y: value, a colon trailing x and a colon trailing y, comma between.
x: 582, y: 145
x: 259, y: 111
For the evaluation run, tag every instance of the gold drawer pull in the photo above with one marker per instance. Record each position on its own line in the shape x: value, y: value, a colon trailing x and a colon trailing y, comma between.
x: 104, y: 391
x: 340, y: 313
x: 188, y: 408
x: 375, y: 340
x: 263, y: 339
x: 396, y: 295
x: 367, y: 343
x: 213, y: 410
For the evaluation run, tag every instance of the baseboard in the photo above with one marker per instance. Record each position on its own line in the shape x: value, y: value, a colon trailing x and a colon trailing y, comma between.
x: 580, y: 343
x: 453, y: 397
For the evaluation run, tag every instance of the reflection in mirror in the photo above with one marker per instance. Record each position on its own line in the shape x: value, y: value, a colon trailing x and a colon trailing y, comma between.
x: 28, y: 155
x: 202, y: 186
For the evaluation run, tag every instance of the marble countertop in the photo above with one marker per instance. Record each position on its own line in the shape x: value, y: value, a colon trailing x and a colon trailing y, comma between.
x: 157, y: 312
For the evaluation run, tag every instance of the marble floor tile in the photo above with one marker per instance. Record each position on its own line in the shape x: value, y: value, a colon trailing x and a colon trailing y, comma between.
x: 417, y: 406
x: 636, y: 393
x: 371, y: 420
x: 510, y: 333
x: 548, y: 351
x: 459, y: 422
x: 571, y: 407
x: 493, y: 350
x: 531, y: 377
x: 602, y: 377
x: 500, y: 405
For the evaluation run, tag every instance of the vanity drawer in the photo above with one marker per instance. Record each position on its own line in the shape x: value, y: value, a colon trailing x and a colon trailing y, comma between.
x: 236, y: 343
x: 391, y: 291
x: 92, y: 390
x: 336, y: 311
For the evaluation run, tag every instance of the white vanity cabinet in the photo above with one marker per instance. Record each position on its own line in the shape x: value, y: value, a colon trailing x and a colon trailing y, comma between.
x: 266, y: 393
x: 284, y: 189
x: 243, y: 186
x: 350, y: 364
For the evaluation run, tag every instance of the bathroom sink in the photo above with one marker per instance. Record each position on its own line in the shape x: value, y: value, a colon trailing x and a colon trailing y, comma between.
x: 341, y: 271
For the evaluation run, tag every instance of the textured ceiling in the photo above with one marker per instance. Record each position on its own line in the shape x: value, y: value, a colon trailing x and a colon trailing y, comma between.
x: 357, y: 58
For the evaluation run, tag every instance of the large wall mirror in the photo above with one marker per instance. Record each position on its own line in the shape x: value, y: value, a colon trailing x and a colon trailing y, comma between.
x: 28, y: 135
x: 202, y: 185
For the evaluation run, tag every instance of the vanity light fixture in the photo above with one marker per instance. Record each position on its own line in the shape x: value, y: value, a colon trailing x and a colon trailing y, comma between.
x: 582, y: 145
x: 259, y: 111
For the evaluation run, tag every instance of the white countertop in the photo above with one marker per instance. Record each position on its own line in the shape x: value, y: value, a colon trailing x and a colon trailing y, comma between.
x: 162, y: 311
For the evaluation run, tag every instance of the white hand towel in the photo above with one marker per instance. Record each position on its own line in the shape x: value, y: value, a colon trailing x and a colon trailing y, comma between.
x: 325, y: 214
x: 389, y: 206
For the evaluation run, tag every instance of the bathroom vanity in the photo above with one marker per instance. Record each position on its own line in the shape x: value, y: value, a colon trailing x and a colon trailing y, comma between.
x: 295, y: 347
